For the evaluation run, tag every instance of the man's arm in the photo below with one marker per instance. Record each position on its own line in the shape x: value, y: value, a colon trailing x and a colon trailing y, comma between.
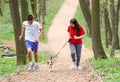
x: 41, y: 33
x: 22, y: 32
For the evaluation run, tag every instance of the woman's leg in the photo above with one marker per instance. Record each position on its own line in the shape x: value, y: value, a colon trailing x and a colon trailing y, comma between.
x: 73, y: 51
x: 78, y: 54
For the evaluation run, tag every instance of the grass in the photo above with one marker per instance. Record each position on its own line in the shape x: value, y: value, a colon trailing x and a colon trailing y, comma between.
x: 6, y: 29
x: 44, y: 56
x: 109, y: 68
x: 9, y: 65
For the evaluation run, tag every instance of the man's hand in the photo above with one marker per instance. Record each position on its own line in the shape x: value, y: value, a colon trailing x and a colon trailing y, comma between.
x: 22, y: 31
x: 20, y: 37
x: 37, y: 39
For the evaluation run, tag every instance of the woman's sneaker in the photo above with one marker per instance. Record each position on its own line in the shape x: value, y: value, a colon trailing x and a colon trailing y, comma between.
x: 79, y: 67
x: 73, y: 65
x: 30, y: 66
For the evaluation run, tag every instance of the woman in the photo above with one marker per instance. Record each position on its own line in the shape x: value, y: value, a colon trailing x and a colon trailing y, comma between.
x: 76, y: 33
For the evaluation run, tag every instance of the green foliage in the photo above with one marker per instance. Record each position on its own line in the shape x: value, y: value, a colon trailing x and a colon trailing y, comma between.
x: 6, y: 29
x: 8, y: 66
x: 1, y: 52
x: 7, y: 33
x: 109, y: 68
x: 79, y: 16
x: 44, y: 56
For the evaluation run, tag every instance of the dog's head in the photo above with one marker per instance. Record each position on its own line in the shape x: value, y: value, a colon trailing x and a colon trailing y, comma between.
x: 50, y: 61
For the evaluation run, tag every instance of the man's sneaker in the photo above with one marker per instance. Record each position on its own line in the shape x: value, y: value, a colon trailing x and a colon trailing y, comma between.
x: 30, y: 66
x: 79, y: 67
x: 36, y: 67
x: 73, y: 65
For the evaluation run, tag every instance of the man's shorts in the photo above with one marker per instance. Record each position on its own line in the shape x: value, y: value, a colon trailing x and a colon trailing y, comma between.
x: 32, y: 45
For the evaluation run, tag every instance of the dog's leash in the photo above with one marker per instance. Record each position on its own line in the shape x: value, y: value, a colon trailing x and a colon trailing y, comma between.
x: 62, y: 48
x: 51, y: 61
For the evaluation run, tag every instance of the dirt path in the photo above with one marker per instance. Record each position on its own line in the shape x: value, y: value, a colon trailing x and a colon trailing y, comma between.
x: 57, y: 36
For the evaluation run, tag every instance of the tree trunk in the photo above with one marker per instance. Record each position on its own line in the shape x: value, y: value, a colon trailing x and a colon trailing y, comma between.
x: 95, y: 30
x: 107, y: 25
x: 115, y: 32
x: 1, y: 13
x: 44, y: 7
x: 112, y: 12
x: 117, y: 41
x: 88, y: 3
x: 20, y: 47
x: 34, y: 8
x: 42, y: 12
x: 86, y: 12
x: 24, y: 9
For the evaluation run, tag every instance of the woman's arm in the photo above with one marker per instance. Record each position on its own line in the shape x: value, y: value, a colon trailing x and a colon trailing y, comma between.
x: 79, y: 37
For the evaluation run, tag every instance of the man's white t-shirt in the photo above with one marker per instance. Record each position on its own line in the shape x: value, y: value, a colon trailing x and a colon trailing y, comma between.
x: 32, y: 31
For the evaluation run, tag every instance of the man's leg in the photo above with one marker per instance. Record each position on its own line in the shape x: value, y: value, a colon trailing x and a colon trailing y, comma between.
x: 35, y: 50
x: 29, y: 51
x: 36, y: 56
x: 36, y: 61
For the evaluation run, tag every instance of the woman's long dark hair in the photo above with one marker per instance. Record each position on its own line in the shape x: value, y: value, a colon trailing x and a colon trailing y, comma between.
x: 75, y: 22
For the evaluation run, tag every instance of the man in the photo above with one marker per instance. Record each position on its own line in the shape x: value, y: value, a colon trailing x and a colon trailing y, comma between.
x: 33, y: 31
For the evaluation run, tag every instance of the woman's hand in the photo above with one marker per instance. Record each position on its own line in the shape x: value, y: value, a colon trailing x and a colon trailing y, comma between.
x: 78, y: 37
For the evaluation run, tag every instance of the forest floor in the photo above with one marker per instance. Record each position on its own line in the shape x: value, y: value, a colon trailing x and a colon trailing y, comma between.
x: 57, y: 36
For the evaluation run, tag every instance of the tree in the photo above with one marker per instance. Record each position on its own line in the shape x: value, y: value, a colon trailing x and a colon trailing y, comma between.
x: 34, y: 7
x: 95, y: 30
x: 86, y: 12
x: 1, y: 13
x: 115, y: 31
x: 24, y: 9
x: 42, y: 12
x: 20, y: 47
x: 113, y: 19
x: 108, y: 30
